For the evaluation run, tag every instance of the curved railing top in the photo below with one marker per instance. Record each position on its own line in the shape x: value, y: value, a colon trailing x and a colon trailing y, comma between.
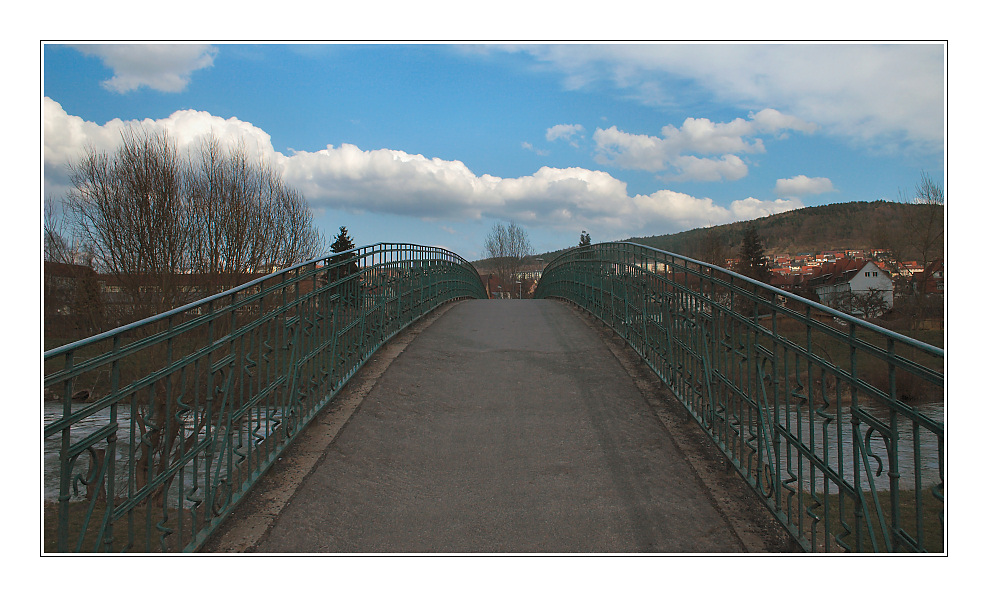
x: 362, y: 251
x: 561, y: 258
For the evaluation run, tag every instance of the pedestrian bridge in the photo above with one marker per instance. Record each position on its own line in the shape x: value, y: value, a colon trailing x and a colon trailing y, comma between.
x: 503, y: 426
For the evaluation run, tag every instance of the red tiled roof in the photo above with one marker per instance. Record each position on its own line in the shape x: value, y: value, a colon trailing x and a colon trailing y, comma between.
x: 842, y: 269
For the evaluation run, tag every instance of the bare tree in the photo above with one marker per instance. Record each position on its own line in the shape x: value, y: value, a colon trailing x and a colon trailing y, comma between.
x: 925, y: 224
x: 73, y: 301
x: 924, y: 228
x: 870, y: 303
x: 507, y: 247
x: 712, y: 248
x: 245, y: 219
x: 152, y: 215
x: 297, y: 237
x: 56, y: 246
x: 130, y: 208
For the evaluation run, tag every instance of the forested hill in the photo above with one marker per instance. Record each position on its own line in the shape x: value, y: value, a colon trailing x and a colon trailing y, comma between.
x: 854, y: 225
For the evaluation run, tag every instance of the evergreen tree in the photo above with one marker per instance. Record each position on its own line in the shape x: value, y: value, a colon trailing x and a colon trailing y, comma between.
x: 343, y: 242
x: 752, y: 261
x: 341, y: 270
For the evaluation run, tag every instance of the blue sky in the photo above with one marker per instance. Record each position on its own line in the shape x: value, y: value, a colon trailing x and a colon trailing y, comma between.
x: 432, y: 144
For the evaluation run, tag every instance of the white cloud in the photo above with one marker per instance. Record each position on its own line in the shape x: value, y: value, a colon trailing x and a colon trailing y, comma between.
x: 751, y: 208
x: 532, y: 148
x: 773, y: 121
x: 802, y: 185
x: 877, y: 94
x: 163, y: 67
x: 389, y: 181
x: 728, y: 167
x: 565, y: 132
x: 696, y: 136
x: 66, y: 137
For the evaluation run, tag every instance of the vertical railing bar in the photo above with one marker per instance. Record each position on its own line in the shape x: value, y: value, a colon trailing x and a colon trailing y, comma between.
x: 65, y: 466
x: 918, y: 485
x: 893, y: 454
x: 169, y: 426
x: 111, y: 448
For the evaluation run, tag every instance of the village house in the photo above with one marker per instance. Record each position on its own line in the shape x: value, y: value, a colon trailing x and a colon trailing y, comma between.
x: 910, y: 269
x: 856, y: 286
x: 931, y: 280
x: 531, y: 271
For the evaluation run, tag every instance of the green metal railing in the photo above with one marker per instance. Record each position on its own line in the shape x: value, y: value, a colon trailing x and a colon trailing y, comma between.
x: 837, y: 424
x: 187, y: 409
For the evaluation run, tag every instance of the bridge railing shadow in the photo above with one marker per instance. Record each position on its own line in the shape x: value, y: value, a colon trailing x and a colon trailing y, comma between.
x: 837, y: 424
x: 184, y: 411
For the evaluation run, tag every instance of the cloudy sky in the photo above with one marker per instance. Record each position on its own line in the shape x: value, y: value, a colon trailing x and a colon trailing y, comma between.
x: 432, y: 144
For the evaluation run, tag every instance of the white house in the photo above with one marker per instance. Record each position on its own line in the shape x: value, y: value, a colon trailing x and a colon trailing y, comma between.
x: 856, y: 286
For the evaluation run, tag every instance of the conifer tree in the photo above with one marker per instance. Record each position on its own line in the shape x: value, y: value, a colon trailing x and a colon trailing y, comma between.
x: 344, y: 271
x: 751, y: 260
x: 342, y: 242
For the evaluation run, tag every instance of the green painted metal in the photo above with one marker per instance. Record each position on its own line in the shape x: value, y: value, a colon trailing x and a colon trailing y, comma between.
x: 835, y: 423
x: 189, y: 408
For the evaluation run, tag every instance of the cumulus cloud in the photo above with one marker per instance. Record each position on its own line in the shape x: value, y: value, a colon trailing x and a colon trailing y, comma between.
x: 700, y: 136
x: 565, y: 132
x: 390, y: 181
x: 802, y: 185
x: 66, y: 137
x: 728, y: 167
x: 395, y: 182
x: 881, y: 95
x: 163, y: 67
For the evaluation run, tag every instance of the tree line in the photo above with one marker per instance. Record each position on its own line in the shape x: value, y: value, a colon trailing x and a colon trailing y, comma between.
x: 507, y: 247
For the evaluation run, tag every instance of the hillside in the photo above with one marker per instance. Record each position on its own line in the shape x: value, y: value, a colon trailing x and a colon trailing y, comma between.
x: 855, y: 225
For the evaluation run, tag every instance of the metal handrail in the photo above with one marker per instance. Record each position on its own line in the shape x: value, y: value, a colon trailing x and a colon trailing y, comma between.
x: 188, y: 408
x: 836, y: 423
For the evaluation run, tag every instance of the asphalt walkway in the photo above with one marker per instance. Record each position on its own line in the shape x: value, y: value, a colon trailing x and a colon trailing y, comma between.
x: 503, y: 427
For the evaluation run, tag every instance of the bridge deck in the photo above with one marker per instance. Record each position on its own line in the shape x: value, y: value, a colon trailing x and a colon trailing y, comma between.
x: 504, y: 426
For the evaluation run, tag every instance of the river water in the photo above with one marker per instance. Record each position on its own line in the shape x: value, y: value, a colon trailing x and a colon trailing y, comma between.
x: 838, y: 452
x: 254, y: 430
